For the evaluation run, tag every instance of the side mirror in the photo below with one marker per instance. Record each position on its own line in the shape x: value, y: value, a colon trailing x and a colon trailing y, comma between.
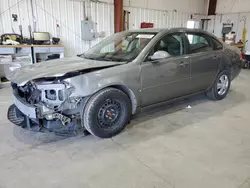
x: 160, y: 55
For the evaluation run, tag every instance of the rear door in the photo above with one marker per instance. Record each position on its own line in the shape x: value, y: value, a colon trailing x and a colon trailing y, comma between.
x: 204, y: 59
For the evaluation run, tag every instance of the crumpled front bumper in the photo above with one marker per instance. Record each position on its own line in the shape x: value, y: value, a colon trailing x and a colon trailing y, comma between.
x: 16, y: 117
x: 63, y: 120
x: 25, y: 108
x: 42, y: 125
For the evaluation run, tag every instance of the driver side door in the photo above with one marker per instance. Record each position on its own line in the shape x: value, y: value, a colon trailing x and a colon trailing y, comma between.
x: 168, y: 78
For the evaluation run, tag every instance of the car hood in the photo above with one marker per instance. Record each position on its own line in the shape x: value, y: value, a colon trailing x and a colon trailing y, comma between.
x: 56, y: 68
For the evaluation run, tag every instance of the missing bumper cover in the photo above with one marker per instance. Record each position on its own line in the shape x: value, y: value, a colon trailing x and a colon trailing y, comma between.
x: 64, y: 119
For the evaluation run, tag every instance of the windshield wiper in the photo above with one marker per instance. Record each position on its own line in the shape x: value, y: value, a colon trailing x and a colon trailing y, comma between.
x: 100, y: 58
x: 81, y: 55
x: 105, y: 59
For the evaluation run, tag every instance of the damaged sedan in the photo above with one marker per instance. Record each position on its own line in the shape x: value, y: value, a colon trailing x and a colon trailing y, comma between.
x: 101, y: 89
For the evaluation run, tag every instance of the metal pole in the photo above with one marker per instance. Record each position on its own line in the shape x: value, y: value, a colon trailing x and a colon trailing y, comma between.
x: 33, y: 15
x: 118, y: 6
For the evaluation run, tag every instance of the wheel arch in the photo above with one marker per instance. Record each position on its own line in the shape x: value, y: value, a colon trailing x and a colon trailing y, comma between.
x: 123, y: 88
x: 225, y: 64
x: 129, y: 93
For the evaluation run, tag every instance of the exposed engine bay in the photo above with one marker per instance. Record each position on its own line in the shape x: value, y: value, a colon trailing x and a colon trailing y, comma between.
x: 51, y: 98
x: 47, y: 106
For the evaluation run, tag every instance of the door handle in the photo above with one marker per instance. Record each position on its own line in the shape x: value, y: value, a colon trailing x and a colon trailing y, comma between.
x: 215, y: 58
x: 183, y: 64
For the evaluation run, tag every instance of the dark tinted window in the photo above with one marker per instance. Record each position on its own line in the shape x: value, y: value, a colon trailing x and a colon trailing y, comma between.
x: 199, y: 42
x: 172, y: 43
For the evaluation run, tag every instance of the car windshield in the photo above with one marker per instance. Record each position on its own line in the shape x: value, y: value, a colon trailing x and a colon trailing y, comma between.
x: 124, y: 47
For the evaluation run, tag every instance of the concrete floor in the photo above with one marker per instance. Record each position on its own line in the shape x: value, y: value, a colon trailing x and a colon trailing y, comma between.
x: 206, y: 146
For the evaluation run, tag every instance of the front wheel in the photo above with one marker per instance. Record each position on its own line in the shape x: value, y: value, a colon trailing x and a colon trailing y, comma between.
x: 107, y: 113
x: 221, y: 86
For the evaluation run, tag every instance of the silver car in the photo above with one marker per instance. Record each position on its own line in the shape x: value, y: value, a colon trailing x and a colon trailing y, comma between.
x: 101, y: 89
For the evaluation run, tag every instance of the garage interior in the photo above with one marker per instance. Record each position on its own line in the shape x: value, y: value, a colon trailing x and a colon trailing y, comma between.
x: 194, y: 142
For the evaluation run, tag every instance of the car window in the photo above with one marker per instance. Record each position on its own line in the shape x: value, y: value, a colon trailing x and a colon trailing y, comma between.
x: 124, y: 47
x: 217, y: 45
x: 199, y: 43
x: 171, y: 43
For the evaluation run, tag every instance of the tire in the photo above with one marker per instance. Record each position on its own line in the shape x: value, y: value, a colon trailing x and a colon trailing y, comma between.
x: 219, y: 89
x: 16, y: 116
x: 107, y: 113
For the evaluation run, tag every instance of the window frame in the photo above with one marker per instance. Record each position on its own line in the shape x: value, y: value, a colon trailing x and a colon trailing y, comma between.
x: 208, y: 38
x: 181, y: 33
x: 214, y: 41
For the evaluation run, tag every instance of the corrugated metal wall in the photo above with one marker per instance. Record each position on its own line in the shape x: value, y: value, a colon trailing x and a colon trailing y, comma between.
x: 21, y: 8
x: 197, y: 6
x: 160, y: 18
x: 69, y: 13
x: 215, y: 25
x: 232, y: 6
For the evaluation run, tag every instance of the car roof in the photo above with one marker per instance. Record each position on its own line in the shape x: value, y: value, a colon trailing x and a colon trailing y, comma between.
x: 147, y: 30
x: 158, y: 30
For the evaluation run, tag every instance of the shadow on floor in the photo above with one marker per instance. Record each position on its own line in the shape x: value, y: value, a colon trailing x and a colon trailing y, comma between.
x: 35, y: 138
x: 199, y: 104
x: 148, y: 124
x: 172, y: 117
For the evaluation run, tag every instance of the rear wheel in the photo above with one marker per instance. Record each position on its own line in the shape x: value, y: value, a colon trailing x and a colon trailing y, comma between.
x: 107, y: 113
x: 221, y: 86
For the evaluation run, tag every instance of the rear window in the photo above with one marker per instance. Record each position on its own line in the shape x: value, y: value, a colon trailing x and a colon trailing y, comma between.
x: 199, y: 43
x: 217, y: 45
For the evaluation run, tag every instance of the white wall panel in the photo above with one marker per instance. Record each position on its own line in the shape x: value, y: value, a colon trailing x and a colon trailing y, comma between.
x: 21, y: 8
x: 48, y: 13
x: 233, y: 6
x: 195, y: 6
x: 69, y: 13
x: 161, y: 19
x: 215, y: 25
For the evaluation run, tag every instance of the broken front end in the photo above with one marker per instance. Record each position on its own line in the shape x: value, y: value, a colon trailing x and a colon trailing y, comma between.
x: 47, y: 107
